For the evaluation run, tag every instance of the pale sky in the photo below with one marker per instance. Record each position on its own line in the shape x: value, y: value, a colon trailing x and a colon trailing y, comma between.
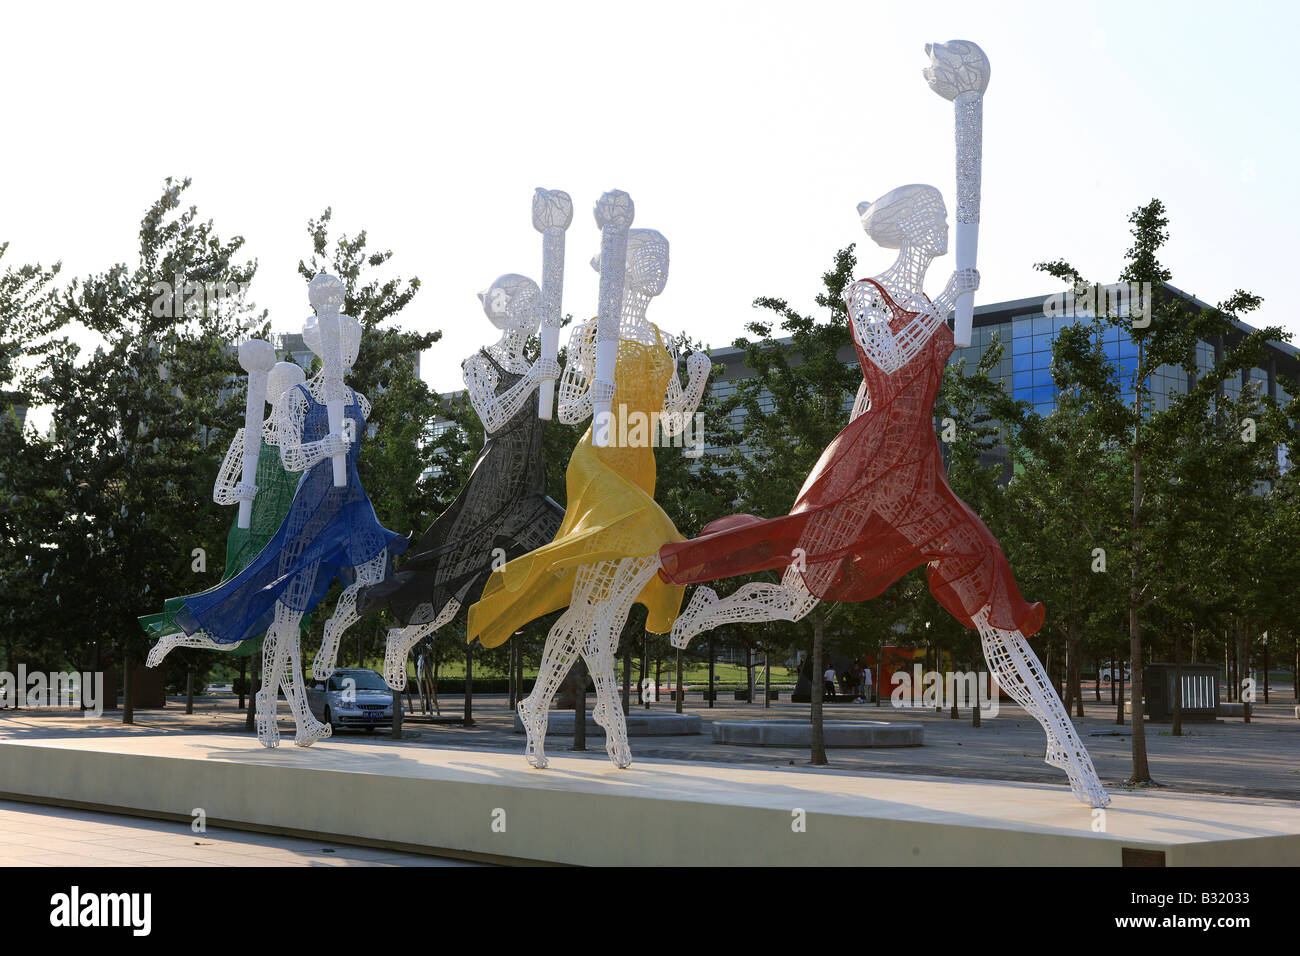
x: 746, y: 133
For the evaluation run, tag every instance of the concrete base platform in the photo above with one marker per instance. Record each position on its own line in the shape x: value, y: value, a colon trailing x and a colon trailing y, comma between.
x: 639, y: 724
x: 491, y: 805
x: 836, y: 733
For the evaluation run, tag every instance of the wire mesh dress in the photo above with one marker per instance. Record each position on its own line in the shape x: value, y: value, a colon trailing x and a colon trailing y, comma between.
x: 611, y: 515
x: 275, y: 488
x: 876, y: 505
x: 327, y: 532
x: 503, y: 505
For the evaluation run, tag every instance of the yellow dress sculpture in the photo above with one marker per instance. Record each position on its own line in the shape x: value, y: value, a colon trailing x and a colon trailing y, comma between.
x: 610, y: 513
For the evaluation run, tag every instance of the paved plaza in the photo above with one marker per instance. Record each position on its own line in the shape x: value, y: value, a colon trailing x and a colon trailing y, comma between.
x: 32, y: 835
x: 1227, y: 758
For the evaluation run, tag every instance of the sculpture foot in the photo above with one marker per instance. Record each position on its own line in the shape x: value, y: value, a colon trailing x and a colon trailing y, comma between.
x: 312, y: 733
x: 534, y: 751
x: 620, y: 754
x: 690, y: 622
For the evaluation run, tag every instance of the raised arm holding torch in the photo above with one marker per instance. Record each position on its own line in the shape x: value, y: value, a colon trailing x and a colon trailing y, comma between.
x: 959, y: 71
x: 256, y: 357
x: 552, y: 214
x: 326, y: 295
x: 614, y: 212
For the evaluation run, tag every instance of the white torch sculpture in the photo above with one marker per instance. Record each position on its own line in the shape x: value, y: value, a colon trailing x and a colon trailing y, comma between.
x: 325, y: 293
x: 614, y: 212
x: 257, y: 358
x: 552, y: 214
x: 959, y: 71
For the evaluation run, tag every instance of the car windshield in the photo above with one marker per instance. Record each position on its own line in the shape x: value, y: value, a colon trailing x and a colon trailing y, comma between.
x: 365, y: 680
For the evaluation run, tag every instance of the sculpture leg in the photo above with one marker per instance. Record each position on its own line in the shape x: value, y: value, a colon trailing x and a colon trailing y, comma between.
x: 168, y: 642
x: 788, y: 601
x: 1019, y: 672
x: 345, y: 614
x: 609, y: 588
x: 557, y: 657
x: 401, y: 639
x: 273, y: 661
x: 308, y: 729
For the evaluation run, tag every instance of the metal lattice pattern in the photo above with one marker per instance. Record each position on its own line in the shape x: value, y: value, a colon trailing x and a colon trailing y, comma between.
x: 612, y: 520
x: 503, y: 511
x: 330, y: 530
x: 878, y: 503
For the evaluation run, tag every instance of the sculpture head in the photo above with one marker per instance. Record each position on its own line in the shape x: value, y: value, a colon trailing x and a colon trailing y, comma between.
x: 282, y: 377
x: 910, y: 216
x: 349, y: 332
x: 647, y: 262
x: 513, y: 303
x: 956, y: 67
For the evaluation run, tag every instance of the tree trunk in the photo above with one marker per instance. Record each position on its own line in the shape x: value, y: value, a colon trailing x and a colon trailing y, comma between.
x: 397, y: 713
x: 1117, y: 684
x: 189, y: 689
x: 254, y: 685
x: 510, y: 675
x: 433, y: 697
x: 1243, y: 670
x: 681, y: 693
x: 979, y: 680
x: 1096, y: 687
x: 749, y: 673
x: 818, y: 728
x: 580, y: 704
x: 243, y: 680
x: 712, y: 656
x: 128, y: 689
x: 643, y: 689
x: 1073, y: 649
x: 1265, y: 653
x: 627, y: 678
x: 767, y: 679
x: 1177, y: 729
x: 659, y: 668
x: 469, y: 686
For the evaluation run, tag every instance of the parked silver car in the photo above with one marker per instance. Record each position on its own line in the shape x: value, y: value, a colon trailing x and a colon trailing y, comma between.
x: 352, y: 697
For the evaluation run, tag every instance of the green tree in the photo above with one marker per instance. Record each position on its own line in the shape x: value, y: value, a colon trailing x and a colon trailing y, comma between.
x: 1153, y: 440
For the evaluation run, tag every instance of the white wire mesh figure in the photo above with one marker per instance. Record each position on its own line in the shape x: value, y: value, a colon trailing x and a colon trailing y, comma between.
x: 878, y: 504
x: 330, y: 530
x: 604, y: 557
x: 271, y: 495
x: 503, y: 511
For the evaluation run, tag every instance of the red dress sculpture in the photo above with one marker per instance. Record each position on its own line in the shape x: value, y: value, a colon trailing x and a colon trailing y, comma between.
x: 876, y: 505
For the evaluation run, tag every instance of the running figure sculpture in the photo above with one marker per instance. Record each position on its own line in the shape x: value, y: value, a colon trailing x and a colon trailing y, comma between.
x: 878, y: 504
x: 271, y: 494
x: 503, y: 510
x: 330, y: 531
x: 605, y: 555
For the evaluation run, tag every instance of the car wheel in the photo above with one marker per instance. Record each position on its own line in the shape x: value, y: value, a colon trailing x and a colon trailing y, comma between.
x: 370, y: 730
x: 333, y: 728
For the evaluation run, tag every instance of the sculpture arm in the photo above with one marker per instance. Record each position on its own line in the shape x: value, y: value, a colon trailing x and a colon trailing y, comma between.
x: 481, y: 381
x: 575, y: 386
x: 680, y: 403
x: 890, y: 350
x: 229, y: 488
x: 296, y: 455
